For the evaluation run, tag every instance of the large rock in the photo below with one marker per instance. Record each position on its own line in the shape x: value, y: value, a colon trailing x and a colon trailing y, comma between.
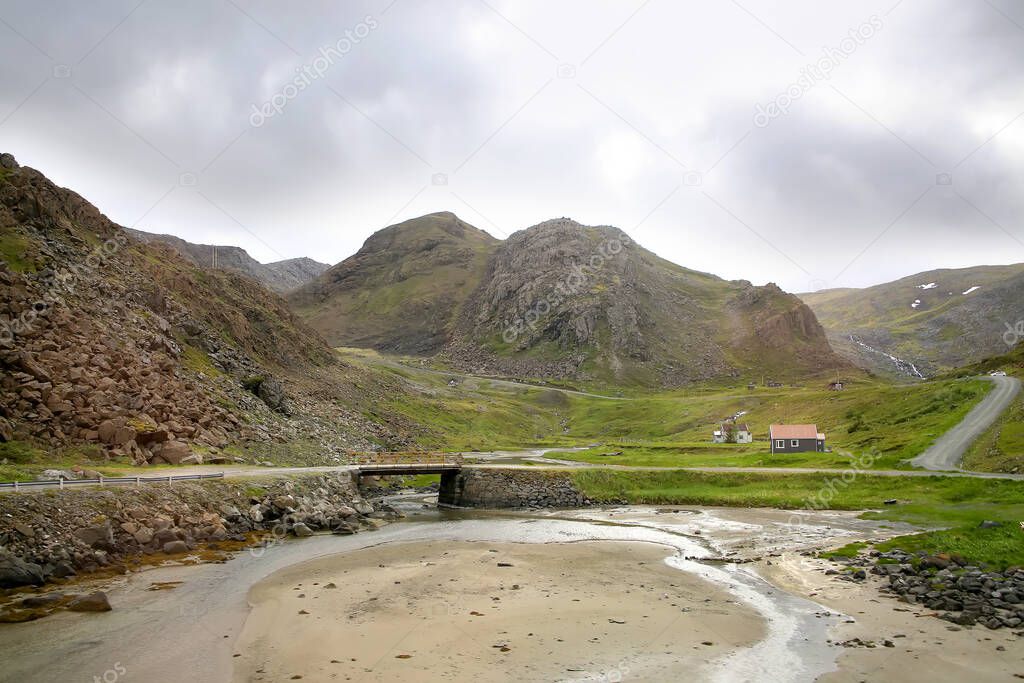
x: 15, y: 572
x: 96, y: 536
x: 301, y: 530
x: 175, y: 547
x: 172, y: 452
x: 94, y: 602
x: 272, y: 393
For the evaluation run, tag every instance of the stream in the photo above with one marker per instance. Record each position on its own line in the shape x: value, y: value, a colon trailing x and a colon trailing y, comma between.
x: 187, y: 633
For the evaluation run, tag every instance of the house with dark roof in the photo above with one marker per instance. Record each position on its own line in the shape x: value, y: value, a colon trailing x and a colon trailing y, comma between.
x: 796, y: 439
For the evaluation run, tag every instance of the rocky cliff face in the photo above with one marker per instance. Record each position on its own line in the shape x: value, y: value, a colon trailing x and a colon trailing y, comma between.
x: 279, y: 276
x: 560, y: 300
x: 563, y: 299
x: 132, y: 351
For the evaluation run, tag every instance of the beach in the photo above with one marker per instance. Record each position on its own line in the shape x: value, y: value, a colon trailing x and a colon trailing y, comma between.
x: 490, y: 612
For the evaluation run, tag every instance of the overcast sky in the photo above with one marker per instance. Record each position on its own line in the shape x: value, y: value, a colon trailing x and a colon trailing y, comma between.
x: 299, y: 131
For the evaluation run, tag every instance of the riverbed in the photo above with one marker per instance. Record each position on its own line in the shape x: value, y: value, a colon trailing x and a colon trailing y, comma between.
x: 604, y: 592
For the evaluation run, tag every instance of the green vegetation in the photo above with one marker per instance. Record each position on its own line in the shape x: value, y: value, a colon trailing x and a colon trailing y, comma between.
x: 999, y: 547
x: 1001, y: 448
x: 922, y: 499
x: 954, y: 505
x: 196, y: 360
x: 672, y: 429
x: 20, y: 461
x: 15, y: 249
x: 848, y: 551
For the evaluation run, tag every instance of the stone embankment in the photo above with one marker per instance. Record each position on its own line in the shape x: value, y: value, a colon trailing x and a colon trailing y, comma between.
x: 510, y: 488
x: 953, y: 589
x: 50, y: 535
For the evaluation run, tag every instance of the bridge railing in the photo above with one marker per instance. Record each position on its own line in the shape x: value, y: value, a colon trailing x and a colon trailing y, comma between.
x: 404, y: 458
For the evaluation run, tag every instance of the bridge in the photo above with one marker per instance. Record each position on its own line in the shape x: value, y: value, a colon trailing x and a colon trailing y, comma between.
x: 378, y: 464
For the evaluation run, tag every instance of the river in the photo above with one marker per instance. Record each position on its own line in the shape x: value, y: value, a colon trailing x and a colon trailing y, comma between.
x: 190, y: 632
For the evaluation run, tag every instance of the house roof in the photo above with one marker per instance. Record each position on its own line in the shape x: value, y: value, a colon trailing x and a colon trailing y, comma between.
x: 795, y: 432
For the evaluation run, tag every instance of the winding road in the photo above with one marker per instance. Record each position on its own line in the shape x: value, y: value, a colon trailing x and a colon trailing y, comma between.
x: 949, y: 450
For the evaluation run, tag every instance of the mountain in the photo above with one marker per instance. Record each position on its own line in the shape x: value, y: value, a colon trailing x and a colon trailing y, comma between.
x: 114, y: 347
x: 559, y: 300
x: 401, y: 292
x: 279, y: 276
x: 930, y: 322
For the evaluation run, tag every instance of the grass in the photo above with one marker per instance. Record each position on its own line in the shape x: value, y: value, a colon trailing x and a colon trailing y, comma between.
x: 1001, y: 448
x: 998, y: 547
x: 847, y: 552
x: 954, y: 506
x: 14, y: 249
x: 931, y: 500
x: 196, y: 360
x: 897, y: 422
x: 697, y: 454
x: 20, y: 461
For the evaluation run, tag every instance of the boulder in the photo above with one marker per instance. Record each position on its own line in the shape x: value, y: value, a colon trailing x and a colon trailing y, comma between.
x: 143, y: 536
x: 93, y: 602
x: 272, y: 393
x: 284, y: 502
x: 95, y: 536
x: 301, y: 530
x: 175, y: 547
x: 151, y: 437
x: 15, y: 572
x: 172, y: 452
x: 194, y: 459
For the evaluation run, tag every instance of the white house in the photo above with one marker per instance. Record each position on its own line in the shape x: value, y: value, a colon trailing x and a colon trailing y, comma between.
x: 730, y: 432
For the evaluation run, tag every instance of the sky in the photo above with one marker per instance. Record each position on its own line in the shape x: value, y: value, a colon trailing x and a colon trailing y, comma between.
x: 813, y: 144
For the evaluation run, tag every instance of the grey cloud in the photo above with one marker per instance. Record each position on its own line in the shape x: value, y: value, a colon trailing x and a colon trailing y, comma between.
x: 435, y: 84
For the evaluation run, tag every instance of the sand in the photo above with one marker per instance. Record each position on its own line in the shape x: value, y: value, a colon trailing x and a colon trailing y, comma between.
x: 925, y: 648
x: 426, y: 611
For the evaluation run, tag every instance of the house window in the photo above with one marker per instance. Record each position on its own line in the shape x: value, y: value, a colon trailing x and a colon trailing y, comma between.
x: 794, y: 443
x: 780, y: 443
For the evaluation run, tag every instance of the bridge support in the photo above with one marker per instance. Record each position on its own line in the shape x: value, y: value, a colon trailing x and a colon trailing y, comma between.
x: 452, y: 486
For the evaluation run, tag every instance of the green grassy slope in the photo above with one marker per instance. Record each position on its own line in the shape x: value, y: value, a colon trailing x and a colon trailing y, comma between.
x: 948, y: 328
x: 402, y: 291
x: 674, y: 428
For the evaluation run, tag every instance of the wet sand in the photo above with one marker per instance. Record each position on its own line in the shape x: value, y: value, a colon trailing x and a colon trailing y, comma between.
x: 449, y: 610
x: 924, y: 648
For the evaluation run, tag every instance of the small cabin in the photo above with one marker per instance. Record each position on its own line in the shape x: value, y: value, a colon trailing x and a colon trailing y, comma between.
x: 796, y: 439
x: 836, y: 386
x: 730, y: 432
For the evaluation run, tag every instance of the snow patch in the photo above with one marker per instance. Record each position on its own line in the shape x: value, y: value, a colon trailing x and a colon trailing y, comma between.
x: 917, y: 302
x: 972, y: 289
x: 930, y: 285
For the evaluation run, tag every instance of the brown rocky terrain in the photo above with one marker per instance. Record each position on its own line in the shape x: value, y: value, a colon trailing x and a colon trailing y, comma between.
x: 45, y: 537
x: 133, y: 351
x: 279, y: 276
x: 559, y: 300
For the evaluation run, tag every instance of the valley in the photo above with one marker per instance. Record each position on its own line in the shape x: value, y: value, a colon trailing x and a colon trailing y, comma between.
x: 583, y: 428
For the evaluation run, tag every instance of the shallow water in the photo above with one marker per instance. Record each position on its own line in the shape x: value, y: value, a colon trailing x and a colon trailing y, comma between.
x: 186, y: 633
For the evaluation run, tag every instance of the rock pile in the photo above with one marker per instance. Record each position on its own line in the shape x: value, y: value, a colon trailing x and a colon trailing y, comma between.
x: 130, y: 351
x: 45, y: 537
x: 959, y: 592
